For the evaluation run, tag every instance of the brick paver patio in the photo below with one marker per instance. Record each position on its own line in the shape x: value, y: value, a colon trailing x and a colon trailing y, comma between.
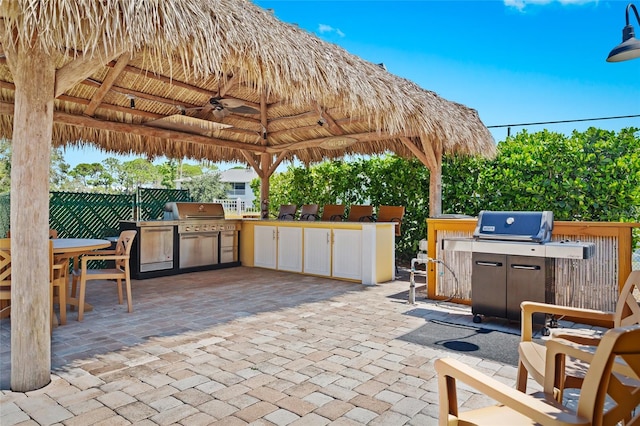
x: 242, y: 346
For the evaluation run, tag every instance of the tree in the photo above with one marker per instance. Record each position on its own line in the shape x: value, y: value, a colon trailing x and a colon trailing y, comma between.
x: 59, y: 170
x: 206, y: 188
x: 5, y: 165
x: 93, y: 176
x: 590, y: 176
x: 140, y: 173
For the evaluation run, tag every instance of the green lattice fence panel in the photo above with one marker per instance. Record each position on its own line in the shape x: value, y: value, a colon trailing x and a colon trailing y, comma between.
x: 151, y: 201
x: 89, y: 215
x: 5, y: 213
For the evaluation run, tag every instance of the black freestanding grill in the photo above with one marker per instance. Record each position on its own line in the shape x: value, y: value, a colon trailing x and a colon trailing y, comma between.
x: 514, y: 260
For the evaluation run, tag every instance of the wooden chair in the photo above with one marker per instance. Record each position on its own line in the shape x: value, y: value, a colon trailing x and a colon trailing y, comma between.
x: 391, y: 214
x: 533, y: 355
x: 118, y: 273
x: 58, y: 276
x: 360, y: 214
x: 518, y: 408
x: 287, y: 212
x: 332, y: 213
x: 309, y: 212
x: 5, y: 277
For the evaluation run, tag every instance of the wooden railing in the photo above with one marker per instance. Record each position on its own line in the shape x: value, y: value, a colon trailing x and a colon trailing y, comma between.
x: 592, y: 283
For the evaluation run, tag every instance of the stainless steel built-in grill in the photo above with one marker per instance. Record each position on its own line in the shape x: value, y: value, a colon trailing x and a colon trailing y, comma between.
x: 205, y: 236
x: 513, y: 260
x: 191, y: 237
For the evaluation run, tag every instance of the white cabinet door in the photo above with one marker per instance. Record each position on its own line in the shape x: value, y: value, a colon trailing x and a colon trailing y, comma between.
x: 317, y: 251
x: 347, y: 253
x: 264, y: 243
x: 290, y: 249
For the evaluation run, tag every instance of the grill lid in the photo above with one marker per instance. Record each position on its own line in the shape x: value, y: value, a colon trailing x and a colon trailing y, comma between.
x: 514, y: 226
x: 182, y: 211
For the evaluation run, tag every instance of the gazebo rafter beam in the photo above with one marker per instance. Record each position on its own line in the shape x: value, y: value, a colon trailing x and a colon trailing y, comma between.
x: 6, y: 108
x: 334, y: 128
x: 79, y: 69
x: 312, y: 143
x: 107, y: 83
x: 415, y: 150
x: 252, y: 162
x: 277, y: 162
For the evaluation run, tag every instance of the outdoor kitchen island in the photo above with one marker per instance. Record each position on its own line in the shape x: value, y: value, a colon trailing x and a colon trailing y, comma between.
x: 192, y: 237
x: 355, y: 251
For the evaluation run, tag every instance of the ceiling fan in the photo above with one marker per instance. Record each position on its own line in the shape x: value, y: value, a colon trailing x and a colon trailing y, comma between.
x: 222, y: 107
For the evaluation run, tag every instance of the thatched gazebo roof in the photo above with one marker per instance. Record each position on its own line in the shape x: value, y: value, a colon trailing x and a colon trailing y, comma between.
x: 214, y: 80
x: 168, y: 58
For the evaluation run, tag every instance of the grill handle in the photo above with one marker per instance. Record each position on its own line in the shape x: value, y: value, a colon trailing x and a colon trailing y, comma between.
x: 484, y: 263
x: 527, y: 267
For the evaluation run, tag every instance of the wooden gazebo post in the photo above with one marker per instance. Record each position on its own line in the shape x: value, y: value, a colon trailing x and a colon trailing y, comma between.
x: 265, y: 165
x: 34, y: 76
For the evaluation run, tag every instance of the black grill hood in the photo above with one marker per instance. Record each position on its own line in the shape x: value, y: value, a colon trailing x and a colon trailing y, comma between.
x: 514, y: 226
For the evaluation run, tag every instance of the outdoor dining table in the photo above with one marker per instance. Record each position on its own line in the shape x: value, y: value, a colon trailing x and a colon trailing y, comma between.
x: 73, y: 248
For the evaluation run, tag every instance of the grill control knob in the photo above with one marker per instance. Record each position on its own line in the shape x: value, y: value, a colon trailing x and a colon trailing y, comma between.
x: 510, y: 220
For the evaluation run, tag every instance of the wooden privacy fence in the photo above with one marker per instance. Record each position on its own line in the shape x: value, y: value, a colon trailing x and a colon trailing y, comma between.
x: 92, y: 215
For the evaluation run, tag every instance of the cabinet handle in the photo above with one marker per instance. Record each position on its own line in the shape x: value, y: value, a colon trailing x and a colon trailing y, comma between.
x: 274, y: 234
x: 146, y: 231
x: 526, y: 267
x: 496, y: 264
x: 328, y: 238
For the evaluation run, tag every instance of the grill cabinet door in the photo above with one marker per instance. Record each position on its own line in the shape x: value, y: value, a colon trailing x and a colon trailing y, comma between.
x: 489, y: 284
x: 527, y: 279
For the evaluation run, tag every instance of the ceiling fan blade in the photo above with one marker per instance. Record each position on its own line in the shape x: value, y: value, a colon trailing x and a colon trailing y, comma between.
x: 231, y: 102
x: 244, y: 109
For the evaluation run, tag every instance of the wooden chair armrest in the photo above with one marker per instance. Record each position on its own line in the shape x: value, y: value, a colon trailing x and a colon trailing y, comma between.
x: 87, y: 258
x: 100, y: 252
x: 579, y: 339
x: 528, y: 308
x: 563, y: 347
x: 545, y: 411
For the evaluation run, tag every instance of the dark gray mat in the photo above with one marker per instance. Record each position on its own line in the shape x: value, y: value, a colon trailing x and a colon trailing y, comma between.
x: 466, y: 339
x: 494, y: 339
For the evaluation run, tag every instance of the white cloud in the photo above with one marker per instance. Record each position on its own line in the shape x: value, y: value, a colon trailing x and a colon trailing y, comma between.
x: 323, y: 28
x: 521, y: 4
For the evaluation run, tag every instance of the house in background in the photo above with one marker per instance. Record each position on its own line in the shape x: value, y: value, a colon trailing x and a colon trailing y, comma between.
x: 239, y: 180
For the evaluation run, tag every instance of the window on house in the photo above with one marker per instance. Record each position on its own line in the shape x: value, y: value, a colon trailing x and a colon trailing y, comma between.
x: 237, y: 189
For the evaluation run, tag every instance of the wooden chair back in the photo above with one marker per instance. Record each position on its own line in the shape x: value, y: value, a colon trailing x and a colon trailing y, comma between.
x: 287, y: 212
x: 58, y: 269
x: 360, y: 213
x: 123, y: 248
x: 627, y: 308
x: 5, y: 277
x: 600, y: 382
x: 391, y: 214
x: 332, y: 213
x: 121, y: 272
x: 309, y: 212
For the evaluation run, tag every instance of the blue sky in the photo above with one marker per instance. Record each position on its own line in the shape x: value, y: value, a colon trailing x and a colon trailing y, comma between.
x: 514, y: 61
